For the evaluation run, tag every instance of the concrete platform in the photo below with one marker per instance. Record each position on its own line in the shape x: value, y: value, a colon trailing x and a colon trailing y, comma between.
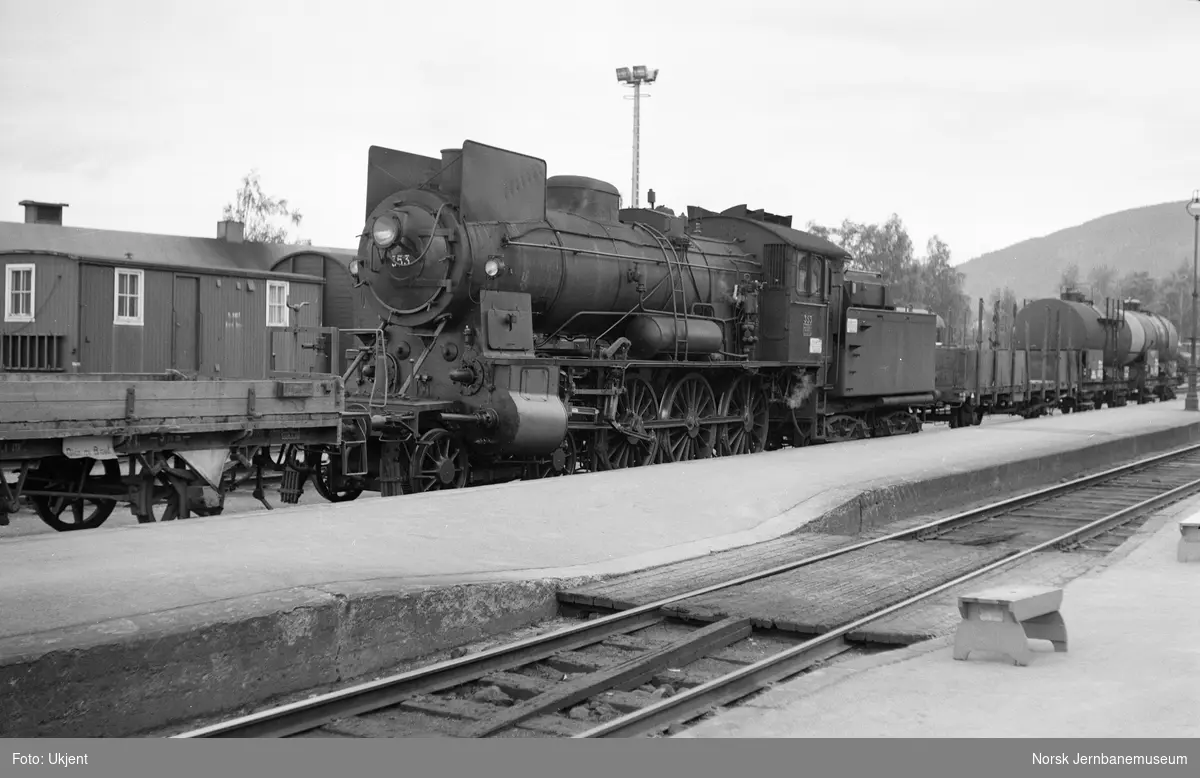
x: 120, y: 630
x: 1132, y: 669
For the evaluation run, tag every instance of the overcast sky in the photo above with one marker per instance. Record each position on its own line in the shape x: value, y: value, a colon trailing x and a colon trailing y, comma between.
x: 984, y: 122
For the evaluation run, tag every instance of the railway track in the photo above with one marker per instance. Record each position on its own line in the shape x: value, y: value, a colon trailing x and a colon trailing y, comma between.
x: 645, y: 669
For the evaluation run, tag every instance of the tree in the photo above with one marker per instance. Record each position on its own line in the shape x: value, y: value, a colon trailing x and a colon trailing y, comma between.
x: 1103, y: 280
x: 1000, y: 333
x: 1070, y: 277
x: 930, y: 282
x: 1139, y: 285
x: 254, y: 209
x: 1173, y: 297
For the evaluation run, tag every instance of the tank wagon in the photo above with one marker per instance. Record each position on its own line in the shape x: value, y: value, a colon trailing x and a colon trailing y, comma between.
x: 523, y: 326
x: 1065, y: 353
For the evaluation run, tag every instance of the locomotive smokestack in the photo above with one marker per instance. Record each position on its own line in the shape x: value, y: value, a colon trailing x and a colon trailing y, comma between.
x: 450, y: 177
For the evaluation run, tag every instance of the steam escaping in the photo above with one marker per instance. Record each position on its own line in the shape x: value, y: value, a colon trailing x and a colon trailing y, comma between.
x: 801, y: 390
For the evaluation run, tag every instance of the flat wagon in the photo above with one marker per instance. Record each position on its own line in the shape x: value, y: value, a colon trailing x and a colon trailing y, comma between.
x: 77, y: 445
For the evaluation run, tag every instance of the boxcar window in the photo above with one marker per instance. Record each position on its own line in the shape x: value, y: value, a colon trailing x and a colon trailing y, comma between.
x: 18, y: 292
x: 128, y: 305
x: 802, y: 271
x: 277, y: 310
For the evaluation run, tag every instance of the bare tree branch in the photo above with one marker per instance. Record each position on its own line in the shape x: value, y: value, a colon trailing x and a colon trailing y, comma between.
x: 256, y: 210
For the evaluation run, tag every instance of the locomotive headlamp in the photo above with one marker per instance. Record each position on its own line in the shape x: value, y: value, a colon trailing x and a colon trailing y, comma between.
x: 493, y: 267
x: 354, y: 267
x: 384, y: 231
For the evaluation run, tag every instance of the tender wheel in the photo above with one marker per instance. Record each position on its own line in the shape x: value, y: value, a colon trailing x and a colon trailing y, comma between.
x: 327, y: 477
x: 746, y: 399
x: 440, y: 462
x: 617, y: 450
x: 563, y: 461
x: 690, y: 400
x: 66, y: 514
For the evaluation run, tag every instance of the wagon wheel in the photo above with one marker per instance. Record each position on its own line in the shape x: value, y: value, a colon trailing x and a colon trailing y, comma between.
x: 616, y: 450
x: 167, y: 510
x: 746, y: 399
x: 690, y: 400
x: 843, y: 428
x: 563, y: 461
x: 327, y: 477
x: 439, y: 462
x: 65, y: 514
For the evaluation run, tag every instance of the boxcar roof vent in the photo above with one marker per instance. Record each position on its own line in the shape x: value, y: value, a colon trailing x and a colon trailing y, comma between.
x: 43, y: 213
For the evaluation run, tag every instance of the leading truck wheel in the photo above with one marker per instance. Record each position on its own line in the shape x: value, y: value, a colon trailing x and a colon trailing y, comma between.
x: 327, y: 477
x: 65, y: 514
x: 439, y: 462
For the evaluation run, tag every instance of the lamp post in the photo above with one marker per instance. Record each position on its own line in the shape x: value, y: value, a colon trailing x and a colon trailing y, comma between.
x: 635, y: 77
x: 1192, y: 402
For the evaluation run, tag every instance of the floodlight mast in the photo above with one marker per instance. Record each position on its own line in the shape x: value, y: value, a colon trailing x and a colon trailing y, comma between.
x: 635, y: 77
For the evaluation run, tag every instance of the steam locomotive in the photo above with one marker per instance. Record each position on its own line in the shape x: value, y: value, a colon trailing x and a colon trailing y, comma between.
x: 523, y: 326
x: 519, y: 326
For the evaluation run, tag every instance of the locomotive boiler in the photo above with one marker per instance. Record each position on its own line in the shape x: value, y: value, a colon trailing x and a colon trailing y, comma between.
x: 530, y: 325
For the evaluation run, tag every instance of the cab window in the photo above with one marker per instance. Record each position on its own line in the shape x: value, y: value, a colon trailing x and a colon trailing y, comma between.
x: 817, y: 274
x: 803, y: 285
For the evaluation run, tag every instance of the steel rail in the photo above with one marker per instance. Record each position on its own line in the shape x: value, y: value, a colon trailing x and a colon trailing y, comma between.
x: 305, y: 715
x: 746, y: 680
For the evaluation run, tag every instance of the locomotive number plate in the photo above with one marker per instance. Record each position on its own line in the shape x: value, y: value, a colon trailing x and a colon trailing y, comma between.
x: 91, y: 447
x: 808, y: 324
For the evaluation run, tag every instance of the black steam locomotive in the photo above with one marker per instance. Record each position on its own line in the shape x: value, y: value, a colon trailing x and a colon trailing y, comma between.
x: 521, y: 327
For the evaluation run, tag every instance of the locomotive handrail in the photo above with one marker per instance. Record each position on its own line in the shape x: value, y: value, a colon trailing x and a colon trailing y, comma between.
x: 632, y: 258
x: 618, y: 239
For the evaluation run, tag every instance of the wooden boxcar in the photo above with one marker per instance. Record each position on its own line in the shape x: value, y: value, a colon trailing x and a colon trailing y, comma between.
x: 104, y: 301
x: 98, y: 327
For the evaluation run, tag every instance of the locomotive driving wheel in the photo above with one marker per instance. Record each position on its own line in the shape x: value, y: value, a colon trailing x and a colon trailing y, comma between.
x: 745, y: 399
x: 439, y: 462
x: 66, y: 514
x: 616, y: 449
x: 691, y: 401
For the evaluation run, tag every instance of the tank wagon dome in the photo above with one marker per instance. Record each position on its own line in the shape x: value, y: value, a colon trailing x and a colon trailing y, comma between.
x: 590, y: 198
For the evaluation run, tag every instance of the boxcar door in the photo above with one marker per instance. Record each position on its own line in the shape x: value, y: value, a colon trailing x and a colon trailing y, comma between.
x: 185, y: 350
x: 806, y: 314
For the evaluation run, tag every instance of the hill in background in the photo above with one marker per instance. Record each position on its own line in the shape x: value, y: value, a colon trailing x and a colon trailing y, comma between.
x: 1154, y: 239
